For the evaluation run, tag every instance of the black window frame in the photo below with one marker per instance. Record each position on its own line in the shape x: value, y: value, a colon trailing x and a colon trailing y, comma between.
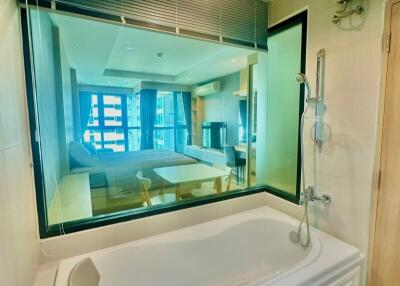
x: 47, y: 231
x: 301, y: 18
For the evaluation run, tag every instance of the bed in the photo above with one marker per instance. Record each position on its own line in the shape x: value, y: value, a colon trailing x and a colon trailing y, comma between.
x: 117, y: 171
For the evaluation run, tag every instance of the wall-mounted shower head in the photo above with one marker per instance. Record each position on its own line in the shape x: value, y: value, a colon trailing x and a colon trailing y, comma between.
x: 302, y: 79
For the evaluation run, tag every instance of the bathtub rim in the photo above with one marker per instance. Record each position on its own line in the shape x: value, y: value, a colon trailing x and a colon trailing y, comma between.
x: 244, y: 217
x: 262, y: 212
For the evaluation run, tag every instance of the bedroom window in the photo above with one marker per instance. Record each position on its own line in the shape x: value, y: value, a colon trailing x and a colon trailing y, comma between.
x: 164, y: 123
x: 113, y: 124
x: 170, y: 128
x: 133, y: 121
x: 106, y: 128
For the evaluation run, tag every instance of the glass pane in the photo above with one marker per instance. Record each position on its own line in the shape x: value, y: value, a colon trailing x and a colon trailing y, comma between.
x: 94, y: 112
x: 181, y: 139
x: 112, y: 110
x: 103, y: 180
x: 114, y: 139
x: 93, y: 137
x: 180, y: 116
x: 133, y: 110
x: 277, y: 143
x: 134, y: 139
x: 242, y: 120
x: 165, y: 109
x: 164, y: 139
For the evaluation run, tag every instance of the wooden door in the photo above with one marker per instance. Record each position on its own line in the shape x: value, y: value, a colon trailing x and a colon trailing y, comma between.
x: 386, y: 244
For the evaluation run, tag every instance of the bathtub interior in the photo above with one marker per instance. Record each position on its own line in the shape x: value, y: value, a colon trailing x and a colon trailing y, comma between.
x: 248, y: 248
x: 244, y: 252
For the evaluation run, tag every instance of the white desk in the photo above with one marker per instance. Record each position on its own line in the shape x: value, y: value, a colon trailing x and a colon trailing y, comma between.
x: 206, y: 155
x: 214, y: 156
x: 191, y: 173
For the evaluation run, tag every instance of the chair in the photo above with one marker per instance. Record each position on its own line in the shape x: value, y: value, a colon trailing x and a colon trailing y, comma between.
x: 228, y: 177
x: 234, y: 161
x: 145, y: 184
x: 209, y: 191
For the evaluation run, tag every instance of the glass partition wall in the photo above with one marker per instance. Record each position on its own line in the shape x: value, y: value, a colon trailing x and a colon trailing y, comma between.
x: 278, y: 113
x: 130, y: 122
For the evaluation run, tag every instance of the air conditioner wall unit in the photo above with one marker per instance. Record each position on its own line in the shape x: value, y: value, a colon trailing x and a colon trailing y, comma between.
x: 207, y: 89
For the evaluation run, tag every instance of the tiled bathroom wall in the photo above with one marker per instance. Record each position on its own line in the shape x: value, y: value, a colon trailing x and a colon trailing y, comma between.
x: 19, y: 239
x: 352, y: 77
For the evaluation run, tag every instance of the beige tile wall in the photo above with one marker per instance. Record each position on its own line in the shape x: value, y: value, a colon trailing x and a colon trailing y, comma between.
x: 19, y: 241
x: 345, y: 164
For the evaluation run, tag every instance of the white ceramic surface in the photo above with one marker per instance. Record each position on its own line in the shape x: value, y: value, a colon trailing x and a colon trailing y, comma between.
x: 249, y: 248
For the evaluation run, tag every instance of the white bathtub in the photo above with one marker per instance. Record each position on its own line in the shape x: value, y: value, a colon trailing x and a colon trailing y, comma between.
x: 250, y: 248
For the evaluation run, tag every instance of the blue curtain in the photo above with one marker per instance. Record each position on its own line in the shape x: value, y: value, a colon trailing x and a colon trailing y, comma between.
x: 243, y: 118
x: 148, y: 105
x: 176, y: 130
x: 187, y: 106
x: 85, y: 105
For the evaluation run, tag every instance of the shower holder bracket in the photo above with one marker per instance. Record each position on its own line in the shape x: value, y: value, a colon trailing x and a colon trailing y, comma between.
x: 346, y: 10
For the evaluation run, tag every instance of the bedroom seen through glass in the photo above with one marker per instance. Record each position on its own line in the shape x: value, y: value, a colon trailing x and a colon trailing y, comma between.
x: 132, y: 120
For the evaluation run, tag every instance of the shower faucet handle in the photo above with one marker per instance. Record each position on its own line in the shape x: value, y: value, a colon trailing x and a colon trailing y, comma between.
x: 309, y: 196
x: 325, y: 199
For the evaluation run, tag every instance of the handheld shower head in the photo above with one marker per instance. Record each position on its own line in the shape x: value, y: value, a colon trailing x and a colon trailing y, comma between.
x: 301, y: 78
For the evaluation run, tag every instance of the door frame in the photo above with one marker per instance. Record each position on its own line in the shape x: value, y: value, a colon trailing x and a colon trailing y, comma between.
x: 385, y: 44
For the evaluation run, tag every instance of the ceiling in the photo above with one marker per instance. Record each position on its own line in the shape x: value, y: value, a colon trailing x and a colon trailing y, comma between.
x: 111, y: 55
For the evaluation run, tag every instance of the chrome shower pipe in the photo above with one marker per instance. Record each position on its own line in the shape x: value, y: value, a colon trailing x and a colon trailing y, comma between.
x: 249, y: 127
x: 320, y: 108
x: 320, y: 75
x: 307, y: 193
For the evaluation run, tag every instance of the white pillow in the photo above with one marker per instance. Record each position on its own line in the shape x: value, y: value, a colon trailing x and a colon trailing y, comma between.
x: 92, y: 150
x: 81, y: 157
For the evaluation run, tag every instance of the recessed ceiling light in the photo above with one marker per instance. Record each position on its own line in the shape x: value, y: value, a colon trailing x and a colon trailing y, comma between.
x: 234, y: 60
x: 188, y: 79
x: 129, y: 48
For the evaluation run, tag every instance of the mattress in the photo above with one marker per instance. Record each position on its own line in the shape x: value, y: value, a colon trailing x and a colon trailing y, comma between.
x: 120, y: 169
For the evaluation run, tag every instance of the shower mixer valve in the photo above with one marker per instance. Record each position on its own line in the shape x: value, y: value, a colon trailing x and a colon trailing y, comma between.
x: 309, y: 196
